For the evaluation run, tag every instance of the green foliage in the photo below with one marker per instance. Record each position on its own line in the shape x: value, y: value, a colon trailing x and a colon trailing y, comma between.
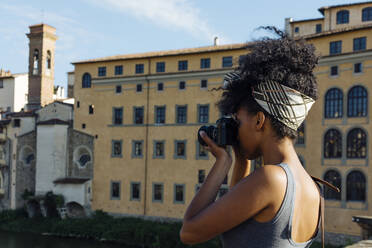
x: 129, y: 231
x: 27, y: 194
x: 59, y: 200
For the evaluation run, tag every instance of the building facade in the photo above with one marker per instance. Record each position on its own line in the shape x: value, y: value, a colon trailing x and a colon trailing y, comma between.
x: 339, y: 122
x: 145, y: 111
x: 13, y: 91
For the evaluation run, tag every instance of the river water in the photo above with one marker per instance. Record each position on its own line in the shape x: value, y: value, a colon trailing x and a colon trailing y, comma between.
x: 27, y: 240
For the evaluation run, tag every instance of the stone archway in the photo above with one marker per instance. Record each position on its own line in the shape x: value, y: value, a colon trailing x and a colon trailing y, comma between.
x: 33, y: 208
x: 75, y: 210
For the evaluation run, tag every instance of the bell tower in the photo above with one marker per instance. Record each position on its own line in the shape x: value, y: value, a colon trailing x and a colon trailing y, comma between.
x: 42, y: 40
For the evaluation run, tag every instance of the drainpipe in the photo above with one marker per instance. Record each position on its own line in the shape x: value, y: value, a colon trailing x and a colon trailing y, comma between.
x: 147, y: 135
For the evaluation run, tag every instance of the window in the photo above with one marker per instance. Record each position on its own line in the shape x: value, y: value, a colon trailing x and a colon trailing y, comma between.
x: 357, y: 102
x: 356, y: 186
x: 343, y: 17
x: 87, y: 80
x: 138, y: 115
x: 1, y: 84
x: 356, y: 144
x: 359, y: 44
x: 227, y: 61
x: 357, y: 67
x: 160, y: 86
x: 115, y: 190
x: 35, y: 70
x: 48, y: 61
x: 332, y: 144
x: 139, y: 88
x: 334, y: 70
x: 297, y: 30
x: 182, y: 85
x: 203, y: 113
x: 17, y: 123
x: 201, y: 152
x: 301, y: 134
x: 179, y: 149
x: 102, y: 71
x: 83, y: 126
x: 333, y: 104
x: 118, y: 70
x: 179, y: 193
x: 203, y: 83
x: 201, y: 176
x: 181, y: 114
x: 78, y: 104
x: 116, y: 148
x: 367, y: 14
x: 334, y: 178
x: 139, y: 68
x: 157, y: 192
x: 182, y: 65
x: 158, y: 149
x: 117, y: 116
x: 137, y: 149
x: 205, y: 63
x: 159, y: 114
x: 335, y: 47
x: 135, y: 189
x: 118, y: 89
x: 91, y: 109
x: 318, y: 28
x: 160, y: 67
x: 84, y: 159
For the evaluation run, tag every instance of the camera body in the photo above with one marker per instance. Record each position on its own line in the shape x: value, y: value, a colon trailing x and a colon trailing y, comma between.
x: 224, y: 133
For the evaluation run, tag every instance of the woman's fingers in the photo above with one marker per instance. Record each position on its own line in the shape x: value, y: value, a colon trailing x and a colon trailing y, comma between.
x: 207, y: 140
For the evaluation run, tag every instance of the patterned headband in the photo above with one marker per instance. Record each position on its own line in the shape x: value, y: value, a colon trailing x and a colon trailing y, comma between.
x: 287, y: 105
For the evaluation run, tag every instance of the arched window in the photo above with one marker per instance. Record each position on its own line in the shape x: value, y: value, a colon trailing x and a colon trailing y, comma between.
x: 367, y: 14
x: 343, y: 17
x: 87, y: 80
x: 356, y: 186
x: 49, y: 60
x: 35, y: 70
x: 332, y: 144
x: 334, y: 178
x: 333, y: 103
x: 357, y: 101
x: 82, y: 156
x: 27, y: 155
x: 356, y: 144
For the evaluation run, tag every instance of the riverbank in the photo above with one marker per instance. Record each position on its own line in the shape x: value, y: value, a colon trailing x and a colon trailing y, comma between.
x: 131, y: 232
x: 134, y: 232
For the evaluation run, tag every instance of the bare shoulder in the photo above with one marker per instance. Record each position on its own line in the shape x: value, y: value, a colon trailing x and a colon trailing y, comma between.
x: 272, y: 175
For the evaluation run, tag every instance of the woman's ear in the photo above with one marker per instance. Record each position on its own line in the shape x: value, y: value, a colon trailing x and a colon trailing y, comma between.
x: 260, y: 117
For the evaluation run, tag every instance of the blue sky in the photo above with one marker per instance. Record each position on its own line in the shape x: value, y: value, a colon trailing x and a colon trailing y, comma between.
x: 96, y: 28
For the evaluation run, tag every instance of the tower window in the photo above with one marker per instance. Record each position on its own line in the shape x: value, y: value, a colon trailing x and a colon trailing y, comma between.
x: 35, y: 70
x: 49, y: 61
x: 318, y: 28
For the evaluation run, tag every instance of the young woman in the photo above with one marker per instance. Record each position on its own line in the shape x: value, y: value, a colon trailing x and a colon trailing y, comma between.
x: 278, y: 205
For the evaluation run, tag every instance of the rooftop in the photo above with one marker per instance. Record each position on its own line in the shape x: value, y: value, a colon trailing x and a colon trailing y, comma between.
x: 167, y: 53
x: 321, y: 10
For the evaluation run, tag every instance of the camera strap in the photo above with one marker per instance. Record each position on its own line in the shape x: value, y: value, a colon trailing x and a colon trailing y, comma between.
x: 325, y: 183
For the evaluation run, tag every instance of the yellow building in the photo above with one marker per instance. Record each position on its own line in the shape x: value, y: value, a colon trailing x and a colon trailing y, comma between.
x: 145, y: 111
x: 336, y: 146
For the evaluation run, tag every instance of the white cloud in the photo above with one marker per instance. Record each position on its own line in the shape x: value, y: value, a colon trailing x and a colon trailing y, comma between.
x: 172, y: 14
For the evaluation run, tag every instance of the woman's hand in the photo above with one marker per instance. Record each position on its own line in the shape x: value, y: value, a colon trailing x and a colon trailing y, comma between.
x: 218, y: 152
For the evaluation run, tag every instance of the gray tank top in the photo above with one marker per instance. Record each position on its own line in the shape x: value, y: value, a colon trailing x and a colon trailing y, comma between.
x: 275, y: 233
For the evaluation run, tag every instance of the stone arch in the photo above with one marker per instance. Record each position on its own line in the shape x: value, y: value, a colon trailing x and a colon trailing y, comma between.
x: 27, y: 155
x: 82, y: 156
x: 33, y: 208
x: 75, y: 210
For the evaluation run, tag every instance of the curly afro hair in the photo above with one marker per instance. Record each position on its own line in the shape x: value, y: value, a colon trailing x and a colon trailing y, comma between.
x: 284, y: 60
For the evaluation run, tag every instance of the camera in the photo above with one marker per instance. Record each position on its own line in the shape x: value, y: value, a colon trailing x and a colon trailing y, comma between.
x: 224, y: 133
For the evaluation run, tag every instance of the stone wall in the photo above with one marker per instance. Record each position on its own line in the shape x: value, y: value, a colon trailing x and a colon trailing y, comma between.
x: 5, y: 171
x: 25, y: 173
x: 78, y: 140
